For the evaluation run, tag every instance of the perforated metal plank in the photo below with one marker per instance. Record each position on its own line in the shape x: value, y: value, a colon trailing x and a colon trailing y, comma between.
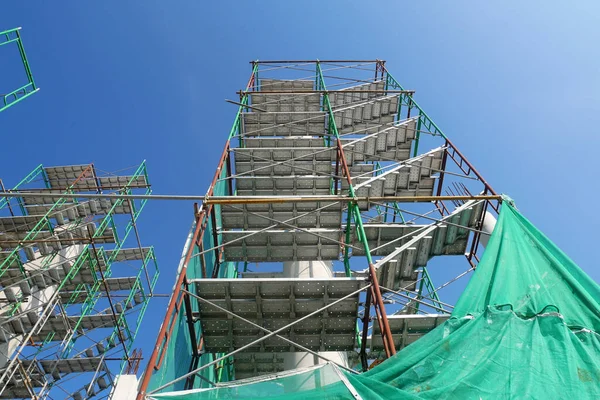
x: 407, y: 329
x: 120, y: 284
x: 118, y: 182
x: 14, y: 276
x: 283, y: 185
x: 339, y: 98
x: 285, y: 102
x: 274, y: 303
x: 276, y: 154
x: 80, y: 177
x: 71, y: 365
x: 42, y: 199
x: 131, y: 254
x: 16, y: 387
x: 263, y: 275
x: 270, y: 142
x: 279, y: 85
x: 388, y: 143
x: 379, y: 236
x: 248, y: 365
x: 240, y: 217
x: 282, y: 245
x: 56, y: 325
x: 416, y: 175
x: 366, y: 117
x: 55, y: 275
x: 19, y: 224
x: 281, y: 168
x: 114, y: 284
x: 64, y: 237
x: 401, y: 271
x: 283, y: 124
x: 72, y: 211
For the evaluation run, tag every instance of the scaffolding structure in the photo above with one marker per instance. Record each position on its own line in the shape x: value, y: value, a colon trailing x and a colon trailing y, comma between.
x: 13, y: 37
x: 75, y: 281
x: 331, y: 162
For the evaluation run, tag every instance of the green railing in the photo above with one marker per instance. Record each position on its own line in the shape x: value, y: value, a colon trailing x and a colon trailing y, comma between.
x: 423, y: 122
x: 39, y: 170
x: 26, y: 90
x: 236, y: 128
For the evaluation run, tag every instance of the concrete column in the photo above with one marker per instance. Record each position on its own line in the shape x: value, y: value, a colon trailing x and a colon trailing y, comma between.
x: 125, y: 388
x: 489, y: 222
x: 310, y: 269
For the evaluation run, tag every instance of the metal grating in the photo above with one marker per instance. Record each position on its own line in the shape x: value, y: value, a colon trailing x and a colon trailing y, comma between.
x: 392, y: 143
x: 71, y: 365
x: 248, y: 365
x: 56, y: 327
x: 414, y: 178
x: 19, y: 224
x: 47, y: 241
x: 450, y: 238
x: 274, y: 303
x: 422, y: 242
x: 283, y: 168
x: 129, y: 254
x: 288, y: 143
x: 73, y: 211
x: 65, y: 177
x: 18, y: 387
x: 340, y: 99
x: 407, y: 329
x: 281, y: 102
x: 240, y: 217
x: 289, y: 185
x: 283, y: 124
x: 366, y: 117
x: 282, y: 245
x: 119, y: 182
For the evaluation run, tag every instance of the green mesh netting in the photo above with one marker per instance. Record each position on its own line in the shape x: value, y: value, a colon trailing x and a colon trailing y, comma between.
x: 177, y: 359
x: 526, y: 327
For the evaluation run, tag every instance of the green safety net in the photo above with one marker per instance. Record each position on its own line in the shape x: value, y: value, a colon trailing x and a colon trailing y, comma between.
x: 526, y: 327
x: 175, y: 354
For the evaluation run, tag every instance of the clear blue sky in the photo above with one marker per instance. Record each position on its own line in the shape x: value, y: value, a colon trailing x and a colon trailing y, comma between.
x: 515, y: 85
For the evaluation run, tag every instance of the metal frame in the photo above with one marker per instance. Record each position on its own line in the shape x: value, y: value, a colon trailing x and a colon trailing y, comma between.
x: 60, y: 254
x: 17, y: 95
x: 288, y: 205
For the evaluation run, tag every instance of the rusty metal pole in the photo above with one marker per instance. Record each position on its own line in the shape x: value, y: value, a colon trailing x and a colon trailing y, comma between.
x: 379, y: 301
x: 379, y: 319
x: 170, y: 308
x: 477, y: 174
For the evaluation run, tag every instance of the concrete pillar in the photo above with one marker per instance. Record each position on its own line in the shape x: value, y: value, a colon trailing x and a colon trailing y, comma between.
x: 310, y: 269
x: 125, y: 388
x: 489, y: 222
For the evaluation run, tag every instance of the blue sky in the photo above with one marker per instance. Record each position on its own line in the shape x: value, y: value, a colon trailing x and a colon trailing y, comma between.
x: 514, y: 85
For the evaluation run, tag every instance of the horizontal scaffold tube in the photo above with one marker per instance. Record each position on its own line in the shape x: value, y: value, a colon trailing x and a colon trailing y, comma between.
x: 304, y: 199
x: 251, y: 199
